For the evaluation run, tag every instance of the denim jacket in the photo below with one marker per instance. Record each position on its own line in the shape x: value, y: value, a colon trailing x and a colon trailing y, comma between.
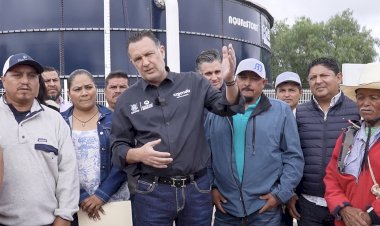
x: 111, y: 177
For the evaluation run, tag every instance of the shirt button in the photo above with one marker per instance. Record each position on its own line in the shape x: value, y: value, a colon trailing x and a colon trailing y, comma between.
x: 103, y: 167
x: 103, y: 149
x: 101, y: 133
x: 23, y: 137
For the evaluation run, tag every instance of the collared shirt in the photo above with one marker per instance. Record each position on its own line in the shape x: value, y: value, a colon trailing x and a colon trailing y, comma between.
x: 172, y: 112
x: 333, y: 101
x: 354, y: 159
x: 315, y: 199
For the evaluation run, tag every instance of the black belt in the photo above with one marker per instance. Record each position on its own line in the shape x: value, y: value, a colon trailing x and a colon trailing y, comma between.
x: 175, y: 181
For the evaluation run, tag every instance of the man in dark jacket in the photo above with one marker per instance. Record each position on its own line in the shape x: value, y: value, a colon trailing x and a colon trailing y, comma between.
x: 320, y: 121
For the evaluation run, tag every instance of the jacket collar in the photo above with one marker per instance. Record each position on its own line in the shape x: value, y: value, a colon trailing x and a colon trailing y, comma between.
x: 102, y: 110
x: 337, y: 103
x: 169, y: 77
x: 263, y: 105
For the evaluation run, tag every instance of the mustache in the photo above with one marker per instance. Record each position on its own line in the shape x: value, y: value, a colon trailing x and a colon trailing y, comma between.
x: 246, y: 89
x: 364, y: 109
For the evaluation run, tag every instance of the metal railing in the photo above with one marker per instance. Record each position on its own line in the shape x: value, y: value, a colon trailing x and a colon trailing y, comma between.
x: 306, y: 95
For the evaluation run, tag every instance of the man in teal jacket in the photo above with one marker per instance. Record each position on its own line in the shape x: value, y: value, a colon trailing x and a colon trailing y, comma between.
x: 256, y: 156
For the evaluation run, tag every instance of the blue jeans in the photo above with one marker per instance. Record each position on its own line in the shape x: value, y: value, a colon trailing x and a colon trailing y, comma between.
x: 271, y: 217
x: 156, y: 204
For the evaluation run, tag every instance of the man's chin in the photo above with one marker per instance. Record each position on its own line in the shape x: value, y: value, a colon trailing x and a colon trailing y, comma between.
x: 53, y: 97
x: 248, y: 99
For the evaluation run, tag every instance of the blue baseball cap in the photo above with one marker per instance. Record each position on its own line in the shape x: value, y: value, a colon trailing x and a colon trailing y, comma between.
x: 21, y: 59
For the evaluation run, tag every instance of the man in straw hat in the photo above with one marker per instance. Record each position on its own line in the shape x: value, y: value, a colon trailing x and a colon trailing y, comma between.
x: 352, y: 176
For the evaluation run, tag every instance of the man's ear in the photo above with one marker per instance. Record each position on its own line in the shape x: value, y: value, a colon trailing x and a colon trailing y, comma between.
x: 340, y: 77
x: 162, y: 51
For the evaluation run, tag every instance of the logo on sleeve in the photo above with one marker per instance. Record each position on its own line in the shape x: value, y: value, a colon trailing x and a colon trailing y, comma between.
x: 182, y: 93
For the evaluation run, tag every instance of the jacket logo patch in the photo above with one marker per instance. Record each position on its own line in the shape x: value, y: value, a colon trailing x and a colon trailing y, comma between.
x: 182, y: 93
x: 141, y: 106
x: 42, y: 140
x: 134, y: 108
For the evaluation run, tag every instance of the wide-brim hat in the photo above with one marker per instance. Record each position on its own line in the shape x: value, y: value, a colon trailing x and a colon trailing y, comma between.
x: 369, y: 78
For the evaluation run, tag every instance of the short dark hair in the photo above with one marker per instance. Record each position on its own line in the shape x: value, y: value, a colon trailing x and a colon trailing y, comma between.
x: 75, y: 74
x: 207, y: 56
x: 116, y: 74
x: 49, y: 68
x: 330, y: 63
x: 137, y: 36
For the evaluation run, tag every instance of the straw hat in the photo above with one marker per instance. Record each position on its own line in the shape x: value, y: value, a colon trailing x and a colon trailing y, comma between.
x: 369, y: 78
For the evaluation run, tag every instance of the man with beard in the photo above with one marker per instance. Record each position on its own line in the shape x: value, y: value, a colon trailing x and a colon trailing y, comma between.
x: 53, y: 87
x: 261, y: 151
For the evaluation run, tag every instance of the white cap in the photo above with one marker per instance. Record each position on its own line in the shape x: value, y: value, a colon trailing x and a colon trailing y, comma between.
x: 251, y: 64
x: 287, y: 76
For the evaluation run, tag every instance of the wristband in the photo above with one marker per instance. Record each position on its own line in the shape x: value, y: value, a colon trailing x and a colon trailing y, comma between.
x: 231, y: 83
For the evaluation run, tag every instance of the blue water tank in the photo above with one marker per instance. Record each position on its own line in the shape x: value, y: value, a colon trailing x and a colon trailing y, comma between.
x: 68, y: 34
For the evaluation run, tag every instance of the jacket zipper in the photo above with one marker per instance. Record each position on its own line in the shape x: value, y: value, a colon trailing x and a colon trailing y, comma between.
x: 232, y: 170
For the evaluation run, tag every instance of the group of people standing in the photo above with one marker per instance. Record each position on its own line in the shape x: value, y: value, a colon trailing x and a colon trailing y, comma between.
x: 191, y: 142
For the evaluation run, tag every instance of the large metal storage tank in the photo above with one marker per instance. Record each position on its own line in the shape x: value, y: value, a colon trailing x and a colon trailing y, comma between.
x: 68, y: 34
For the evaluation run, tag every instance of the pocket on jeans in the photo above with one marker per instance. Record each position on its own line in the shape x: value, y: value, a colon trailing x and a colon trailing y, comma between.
x: 202, y: 185
x: 144, y: 187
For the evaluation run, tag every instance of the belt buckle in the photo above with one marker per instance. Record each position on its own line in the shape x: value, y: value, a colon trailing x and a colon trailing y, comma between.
x: 180, y: 180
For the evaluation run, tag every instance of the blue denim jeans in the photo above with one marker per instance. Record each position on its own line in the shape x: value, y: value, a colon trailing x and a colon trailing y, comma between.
x: 268, y: 218
x: 156, y: 204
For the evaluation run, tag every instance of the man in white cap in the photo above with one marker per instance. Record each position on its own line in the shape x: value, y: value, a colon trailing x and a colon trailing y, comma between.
x: 40, y: 184
x: 256, y: 156
x: 353, y: 173
x: 288, y: 88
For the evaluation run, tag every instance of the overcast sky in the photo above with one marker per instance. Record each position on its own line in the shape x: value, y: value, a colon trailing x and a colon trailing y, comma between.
x: 366, y: 12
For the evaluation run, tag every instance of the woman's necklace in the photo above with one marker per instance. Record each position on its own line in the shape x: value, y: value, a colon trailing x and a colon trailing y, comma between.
x: 84, y: 122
